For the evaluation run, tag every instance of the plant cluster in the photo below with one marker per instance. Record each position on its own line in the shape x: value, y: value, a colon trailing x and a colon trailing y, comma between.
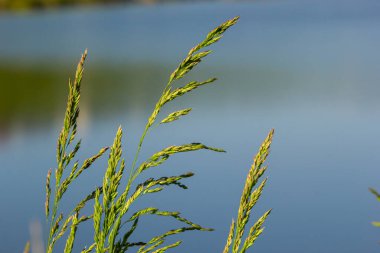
x: 113, y: 222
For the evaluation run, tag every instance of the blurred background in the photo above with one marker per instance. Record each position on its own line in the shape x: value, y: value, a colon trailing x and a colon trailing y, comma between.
x: 309, y: 69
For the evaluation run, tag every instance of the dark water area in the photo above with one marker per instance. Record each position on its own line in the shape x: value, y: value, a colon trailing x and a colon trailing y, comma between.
x: 309, y: 69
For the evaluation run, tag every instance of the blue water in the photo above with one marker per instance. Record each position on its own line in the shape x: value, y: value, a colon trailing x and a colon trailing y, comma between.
x: 309, y: 69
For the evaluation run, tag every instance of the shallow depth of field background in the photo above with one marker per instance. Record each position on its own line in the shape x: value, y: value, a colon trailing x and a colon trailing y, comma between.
x: 309, y: 69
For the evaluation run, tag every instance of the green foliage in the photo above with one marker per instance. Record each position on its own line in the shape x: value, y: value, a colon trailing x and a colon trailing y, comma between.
x: 113, y: 225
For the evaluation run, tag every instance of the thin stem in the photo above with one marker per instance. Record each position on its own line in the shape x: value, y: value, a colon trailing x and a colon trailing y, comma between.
x: 132, y: 174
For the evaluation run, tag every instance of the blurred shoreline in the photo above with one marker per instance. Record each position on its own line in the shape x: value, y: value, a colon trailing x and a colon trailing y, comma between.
x: 27, y: 5
x: 23, y: 5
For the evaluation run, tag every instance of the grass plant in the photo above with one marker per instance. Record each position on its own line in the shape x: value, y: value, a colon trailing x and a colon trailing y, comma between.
x: 113, y: 222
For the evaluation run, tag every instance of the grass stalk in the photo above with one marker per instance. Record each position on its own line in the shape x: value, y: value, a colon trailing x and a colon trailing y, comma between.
x: 113, y: 224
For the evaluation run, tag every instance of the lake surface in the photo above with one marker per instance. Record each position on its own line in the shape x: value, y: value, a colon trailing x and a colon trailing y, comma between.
x: 309, y: 69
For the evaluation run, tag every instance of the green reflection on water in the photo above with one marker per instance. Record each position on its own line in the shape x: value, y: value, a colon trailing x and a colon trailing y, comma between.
x: 36, y: 94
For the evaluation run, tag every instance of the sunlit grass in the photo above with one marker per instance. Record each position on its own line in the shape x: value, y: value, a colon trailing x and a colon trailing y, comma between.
x: 113, y: 222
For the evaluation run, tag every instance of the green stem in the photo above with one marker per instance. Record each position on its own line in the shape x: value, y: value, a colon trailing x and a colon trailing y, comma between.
x: 132, y: 174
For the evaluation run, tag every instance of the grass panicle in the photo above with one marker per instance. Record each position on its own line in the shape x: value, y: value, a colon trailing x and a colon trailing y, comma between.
x: 248, y: 199
x: 116, y: 204
x: 230, y: 237
x: 176, y: 115
x: 113, y: 223
x: 161, y: 156
x: 192, y: 59
x: 70, y: 240
x: 64, y: 159
x: 48, y: 192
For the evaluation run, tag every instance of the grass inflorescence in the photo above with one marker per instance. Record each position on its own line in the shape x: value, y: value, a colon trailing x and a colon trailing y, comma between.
x: 248, y: 199
x: 113, y: 222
